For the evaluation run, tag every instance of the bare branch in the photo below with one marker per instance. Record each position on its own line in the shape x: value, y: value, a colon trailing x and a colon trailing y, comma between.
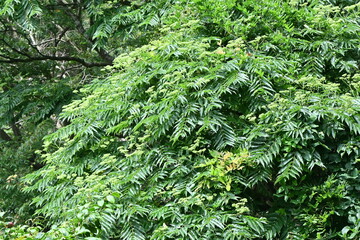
x: 77, y: 18
x: 53, y: 58
x: 14, y: 49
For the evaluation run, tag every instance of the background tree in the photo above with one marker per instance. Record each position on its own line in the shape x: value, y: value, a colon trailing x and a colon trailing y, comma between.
x: 48, y: 49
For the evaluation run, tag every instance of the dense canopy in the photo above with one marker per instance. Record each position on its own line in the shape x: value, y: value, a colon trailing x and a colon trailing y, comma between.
x: 187, y: 119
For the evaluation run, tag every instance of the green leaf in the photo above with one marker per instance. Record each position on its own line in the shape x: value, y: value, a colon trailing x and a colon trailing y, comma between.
x: 110, y: 198
x: 101, y: 203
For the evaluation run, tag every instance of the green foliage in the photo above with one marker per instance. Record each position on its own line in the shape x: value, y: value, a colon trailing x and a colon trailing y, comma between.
x: 238, y: 122
x: 218, y: 120
x: 26, y: 111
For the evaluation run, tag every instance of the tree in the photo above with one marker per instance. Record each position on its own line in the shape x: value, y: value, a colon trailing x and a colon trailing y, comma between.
x: 232, y: 120
x: 48, y: 49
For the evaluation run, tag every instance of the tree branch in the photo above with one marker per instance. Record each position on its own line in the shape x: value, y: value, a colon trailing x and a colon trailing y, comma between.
x: 80, y: 28
x: 53, y: 58
x: 21, y: 56
x: 16, y: 130
x: 14, y: 49
x: 4, y: 135
x: 58, y: 38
